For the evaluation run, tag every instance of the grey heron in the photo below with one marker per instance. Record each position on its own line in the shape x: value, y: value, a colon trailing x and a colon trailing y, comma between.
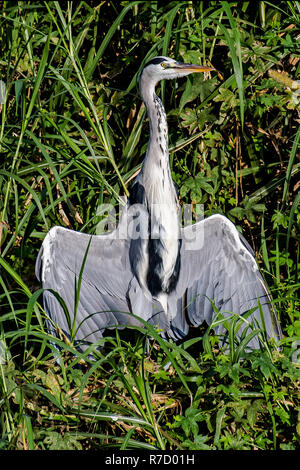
x: 169, y: 276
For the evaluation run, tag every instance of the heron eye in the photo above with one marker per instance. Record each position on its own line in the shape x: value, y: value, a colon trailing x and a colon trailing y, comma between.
x: 163, y: 64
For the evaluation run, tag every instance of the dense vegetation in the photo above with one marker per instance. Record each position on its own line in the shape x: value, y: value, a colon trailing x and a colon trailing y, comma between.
x: 73, y: 134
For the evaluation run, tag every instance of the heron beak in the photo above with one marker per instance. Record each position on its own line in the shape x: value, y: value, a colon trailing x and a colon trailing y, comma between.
x: 193, y: 68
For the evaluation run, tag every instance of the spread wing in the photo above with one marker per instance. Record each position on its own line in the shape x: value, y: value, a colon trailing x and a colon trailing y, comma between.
x: 96, y: 266
x: 218, y: 265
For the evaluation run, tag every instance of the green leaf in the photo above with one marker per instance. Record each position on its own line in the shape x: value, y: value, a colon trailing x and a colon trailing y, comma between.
x: 55, y: 441
x: 198, y: 443
x: 253, y: 410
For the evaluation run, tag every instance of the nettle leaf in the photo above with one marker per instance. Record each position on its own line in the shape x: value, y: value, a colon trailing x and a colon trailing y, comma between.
x: 194, y: 118
x: 52, y: 382
x: 198, y: 444
x: 190, y: 56
x: 237, y: 212
x: 77, y: 376
x: 237, y: 409
x: 195, y: 185
x: 227, y: 98
x: 55, y: 441
x: 283, y: 415
x: 279, y: 219
x: 270, y: 100
x: 264, y: 363
x: 283, y: 257
x: 190, y: 420
x: 195, y: 87
x: 250, y: 215
x: 196, y: 194
x: 204, y: 117
x: 259, y: 207
x: 253, y: 410
x: 189, y: 119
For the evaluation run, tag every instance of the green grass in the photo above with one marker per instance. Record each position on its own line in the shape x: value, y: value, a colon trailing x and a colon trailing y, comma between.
x: 73, y: 134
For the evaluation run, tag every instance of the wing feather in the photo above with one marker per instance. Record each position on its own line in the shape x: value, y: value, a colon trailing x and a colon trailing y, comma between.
x: 106, y: 298
x: 218, y: 266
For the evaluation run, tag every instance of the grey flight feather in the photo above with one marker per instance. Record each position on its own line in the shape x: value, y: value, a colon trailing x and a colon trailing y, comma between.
x: 217, y: 267
x: 108, y: 289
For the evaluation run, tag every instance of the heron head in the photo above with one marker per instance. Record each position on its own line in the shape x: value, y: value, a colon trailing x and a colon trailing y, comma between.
x: 161, y: 68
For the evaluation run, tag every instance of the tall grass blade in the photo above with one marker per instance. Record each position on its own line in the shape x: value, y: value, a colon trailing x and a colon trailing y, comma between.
x: 108, y: 38
x: 291, y: 218
x: 167, y: 38
x: 234, y: 45
x: 15, y: 276
x: 264, y: 243
x: 29, y: 432
x: 38, y: 79
x: 293, y: 154
x: 77, y: 290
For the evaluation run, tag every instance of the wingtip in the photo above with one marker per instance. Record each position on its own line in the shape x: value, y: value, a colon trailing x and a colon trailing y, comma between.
x: 44, y: 254
x: 38, y: 265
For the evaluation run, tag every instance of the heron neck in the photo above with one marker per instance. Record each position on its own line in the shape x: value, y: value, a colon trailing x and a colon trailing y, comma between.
x: 156, y: 173
x: 158, y: 148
